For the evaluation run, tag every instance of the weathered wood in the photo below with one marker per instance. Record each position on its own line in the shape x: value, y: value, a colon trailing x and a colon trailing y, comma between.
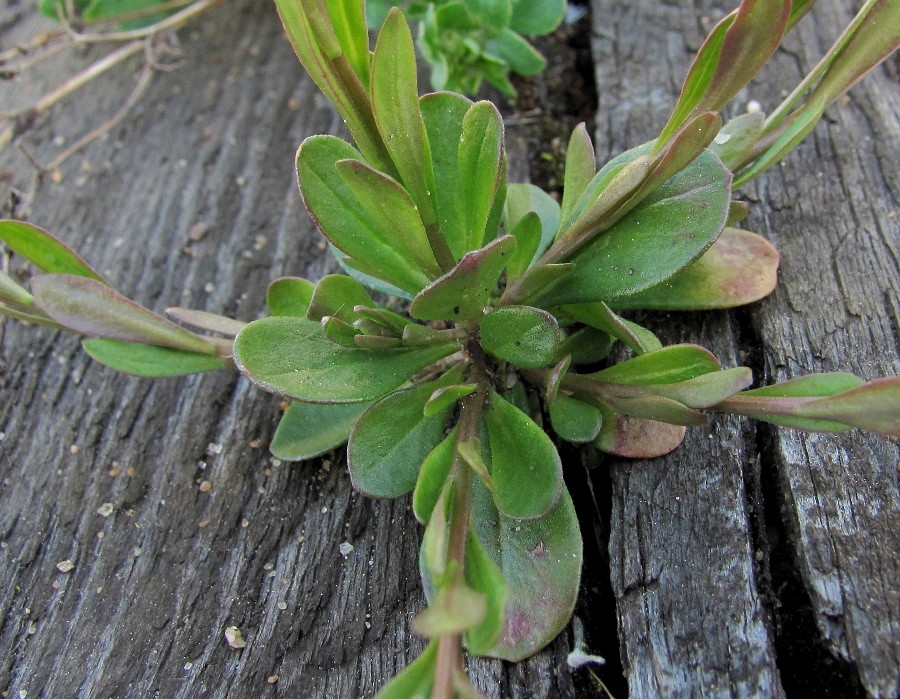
x: 156, y: 583
x: 708, y: 546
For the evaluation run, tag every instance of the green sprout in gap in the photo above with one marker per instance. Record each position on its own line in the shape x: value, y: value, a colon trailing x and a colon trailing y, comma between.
x: 469, y: 41
x: 513, y: 300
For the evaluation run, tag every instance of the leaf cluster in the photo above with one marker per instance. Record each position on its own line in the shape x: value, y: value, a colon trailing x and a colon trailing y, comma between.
x: 504, y: 307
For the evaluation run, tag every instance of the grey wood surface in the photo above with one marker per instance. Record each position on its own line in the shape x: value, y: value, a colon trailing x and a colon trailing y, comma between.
x: 758, y: 561
x: 752, y: 562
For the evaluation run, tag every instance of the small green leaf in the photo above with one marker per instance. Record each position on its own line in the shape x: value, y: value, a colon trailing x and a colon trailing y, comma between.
x: 706, y: 390
x: 338, y: 331
x: 443, y: 114
x: 390, y: 207
x: 337, y: 295
x: 536, y: 17
x: 453, y: 610
x: 446, y: 396
x: 491, y: 13
x: 740, y: 268
x: 524, y: 336
x: 307, y: 430
x: 464, y: 291
x: 43, y: 250
x: 527, y: 233
x: 345, y: 221
x: 482, y: 165
x: 541, y: 562
x: 586, y: 346
x: 521, y: 199
x: 738, y: 137
x: 555, y: 377
x: 290, y: 356
x: 574, y: 420
x: 151, y: 361
x: 392, y: 439
x: 581, y: 166
x: 417, y: 679
x: 656, y: 408
x: 634, y: 438
x: 93, y: 308
x: 474, y: 455
x: 432, y: 476
x: 664, y: 366
x: 12, y: 292
x: 485, y: 577
x: 662, y: 235
x: 508, y: 46
x: 349, y: 23
x: 598, y: 315
x: 525, y: 466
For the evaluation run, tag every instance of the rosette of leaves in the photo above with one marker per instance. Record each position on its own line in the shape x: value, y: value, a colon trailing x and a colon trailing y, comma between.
x: 506, y: 307
x: 469, y: 41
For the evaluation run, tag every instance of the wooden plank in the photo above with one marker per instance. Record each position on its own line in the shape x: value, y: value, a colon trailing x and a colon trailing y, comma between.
x: 701, y: 561
x: 144, y: 609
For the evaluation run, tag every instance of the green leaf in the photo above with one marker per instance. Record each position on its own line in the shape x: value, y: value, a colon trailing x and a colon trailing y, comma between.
x: 416, y: 680
x: 598, y: 315
x: 93, y: 308
x: 740, y: 268
x: 349, y: 23
x: 12, y: 292
x: 484, y: 576
x: 464, y: 291
x: 151, y: 361
x: 290, y: 356
x: 448, y: 395
x: 581, y: 166
x: 527, y: 233
x: 452, y: 610
x: 662, y: 235
x: 656, y: 408
x: 508, y: 46
x: 482, y: 165
x: 524, y: 336
x: 521, y: 199
x: 525, y: 466
x: 737, y: 139
x: 337, y: 295
x: 706, y: 390
x: 586, y: 346
x: 307, y: 430
x: 339, y: 331
x: 390, y: 207
x: 536, y: 17
x: 443, y: 114
x: 345, y: 221
x: 395, y: 100
x: 289, y: 296
x: 432, y: 476
x: 43, y: 250
x: 664, y: 366
x: 574, y: 420
x: 392, y: 439
x: 634, y: 438
x: 541, y: 562
x: 492, y: 13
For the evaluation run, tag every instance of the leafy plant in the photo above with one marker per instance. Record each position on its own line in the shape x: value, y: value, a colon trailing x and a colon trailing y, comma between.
x: 469, y: 41
x: 513, y: 304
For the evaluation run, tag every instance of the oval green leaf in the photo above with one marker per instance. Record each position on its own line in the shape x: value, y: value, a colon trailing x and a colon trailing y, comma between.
x: 524, y: 336
x: 150, y: 361
x: 309, y: 429
x: 289, y: 296
x: 44, y: 251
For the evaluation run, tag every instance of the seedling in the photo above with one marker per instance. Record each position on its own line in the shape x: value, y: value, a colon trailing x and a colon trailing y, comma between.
x: 508, y: 305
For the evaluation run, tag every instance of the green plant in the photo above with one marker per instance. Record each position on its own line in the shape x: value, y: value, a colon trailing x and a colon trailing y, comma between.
x: 513, y: 301
x: 469, y: 41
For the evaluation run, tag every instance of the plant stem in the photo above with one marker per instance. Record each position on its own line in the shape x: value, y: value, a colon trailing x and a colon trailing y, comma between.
x: 449, y: 659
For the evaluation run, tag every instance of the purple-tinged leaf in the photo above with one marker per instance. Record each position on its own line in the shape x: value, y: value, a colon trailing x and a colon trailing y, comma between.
x: 93, y: 308
x: 210, y: 322
x: 464, y: 291
x: 291, y: 356
x: 44, y: 251
x: 541, y: 562
x: 635, y: 438
x: 740, y: 268
x: 289, y: 296
x: 656, y: 408
x: 706, y: 390
x: 555, y: 377
x: 151, y: 361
